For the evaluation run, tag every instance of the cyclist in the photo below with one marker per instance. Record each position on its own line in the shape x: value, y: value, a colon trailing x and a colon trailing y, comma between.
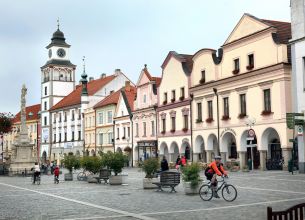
x: 36, y: 171
x: 213, y: 170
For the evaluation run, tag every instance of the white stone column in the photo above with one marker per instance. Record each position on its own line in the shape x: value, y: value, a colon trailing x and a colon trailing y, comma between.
x: 223, y: 157
x: 209, y: 156
x: 286, y: 153
x: 242, y: 159
x: 195, y: 157
x: 262, y: 159
x: 171, y: 157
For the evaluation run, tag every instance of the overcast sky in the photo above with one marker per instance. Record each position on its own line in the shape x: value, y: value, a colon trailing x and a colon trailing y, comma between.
x: 112, y: 34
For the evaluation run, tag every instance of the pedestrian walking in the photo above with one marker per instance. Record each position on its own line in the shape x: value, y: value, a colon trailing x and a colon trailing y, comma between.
x: 164, y: 164
x: 56, y: 174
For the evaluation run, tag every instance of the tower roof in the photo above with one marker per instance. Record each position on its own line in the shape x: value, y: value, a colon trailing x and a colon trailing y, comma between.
x: 58, y: 39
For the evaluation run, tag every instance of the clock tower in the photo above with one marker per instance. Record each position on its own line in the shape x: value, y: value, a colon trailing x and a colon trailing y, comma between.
x: 57, y: 81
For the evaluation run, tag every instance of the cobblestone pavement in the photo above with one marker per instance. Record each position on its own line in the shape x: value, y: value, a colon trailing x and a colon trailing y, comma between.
x: 19, y: 199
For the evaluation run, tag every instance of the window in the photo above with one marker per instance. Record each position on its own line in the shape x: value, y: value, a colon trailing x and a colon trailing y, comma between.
x: 45, y: 120
x: 165, y: 98
x: 128, y: 131
x: 65, y: 136
x: 72, y: 136
x: 202, y: 80
x: 79, y: 114
x: 110, y: 137
x: 173, y: 95
x: 65, y: 116
x: 144, y: 129
x: 144, y: 99
x: 59, y: 117
x: 54, y: 118
x: 45, y: 106
x: 185, y: 122
x: 59, y: 137
x: 79, y: 135
x: 210, y: 109
x: 45, y: 90
x: 236, y: 64
x: 118, y: 133
x: 199, y: 112
x: 226, y: 107
x: 173, y: 119
x: 109, y: 117
x: 124, y: 133
x: 163, y: 125
x: 100, y: 138
x: 137, y: 130
x: 73, y: 116
x: 250, y: 61
x: 152, y: 128
x: 182, y: 93
x: 243, y: 105
x: 100, y: 118
x: 54, y: 140
x: 267, y: 100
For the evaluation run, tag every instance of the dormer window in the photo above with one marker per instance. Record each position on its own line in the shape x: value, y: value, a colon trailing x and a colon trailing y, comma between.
x: 173, y: 96
x: 165, y: 98
x: 236, y: 66
x: 202, y: 80
x: 250, y: 62
x: 182, y: 94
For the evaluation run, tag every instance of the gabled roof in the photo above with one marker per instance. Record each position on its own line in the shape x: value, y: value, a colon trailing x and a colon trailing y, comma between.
x: 33, y: 108
x: 74, y: 98
x: 283, y: 30
x: 109, y: 100
x: 127, y: 96
x: 148, y: 75
x: 185, y: 59
x: 157, y: 80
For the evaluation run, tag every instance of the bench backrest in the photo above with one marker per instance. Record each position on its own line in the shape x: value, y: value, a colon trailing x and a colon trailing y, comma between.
x: 293, y: 213
x: 104, y: 173
x: 170, y: 177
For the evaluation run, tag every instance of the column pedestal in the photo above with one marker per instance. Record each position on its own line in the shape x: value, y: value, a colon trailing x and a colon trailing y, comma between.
x: 171, y: 158
x: 262, y: 159
x: 223, y: 157
x: 209, y: 156
x: 242, y: 159
x: 286, y: 153
x: 195, y: 157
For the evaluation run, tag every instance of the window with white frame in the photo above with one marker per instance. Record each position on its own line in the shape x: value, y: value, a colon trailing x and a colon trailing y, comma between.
x: 152, y: 128
x: 110, y: 137
x: 100, y: 138
x: 109, y: 117
x: 100, y: 118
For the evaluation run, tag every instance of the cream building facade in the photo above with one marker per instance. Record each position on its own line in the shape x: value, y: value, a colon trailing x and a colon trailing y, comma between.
x: 250, y: 74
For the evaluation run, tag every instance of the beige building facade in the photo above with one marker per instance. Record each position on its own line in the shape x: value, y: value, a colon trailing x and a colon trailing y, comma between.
x: 250, y: 75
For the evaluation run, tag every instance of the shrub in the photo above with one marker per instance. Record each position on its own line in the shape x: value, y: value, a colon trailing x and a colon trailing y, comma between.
x: 190, y: 173
x: 150, y: 167
x: 113, y: 161
x: 71, y: 161
x: 92, y: 164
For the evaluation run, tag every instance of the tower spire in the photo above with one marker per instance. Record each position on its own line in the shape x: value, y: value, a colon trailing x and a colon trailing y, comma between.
x: 58, y: 24
x: 84, y: 65
x: 84, y: 80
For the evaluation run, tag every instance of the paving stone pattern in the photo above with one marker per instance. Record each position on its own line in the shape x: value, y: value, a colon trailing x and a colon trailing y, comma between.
x: 19, y: 199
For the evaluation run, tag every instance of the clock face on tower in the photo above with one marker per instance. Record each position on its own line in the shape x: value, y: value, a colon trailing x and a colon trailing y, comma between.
x: 61, y: 52
x: 50, y: 53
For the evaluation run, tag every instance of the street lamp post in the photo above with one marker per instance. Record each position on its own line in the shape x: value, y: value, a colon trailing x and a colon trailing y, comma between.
x: 216, y: 93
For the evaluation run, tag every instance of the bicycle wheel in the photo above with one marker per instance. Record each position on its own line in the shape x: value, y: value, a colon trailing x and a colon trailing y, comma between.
x: 229, y: 193
x: 38, y: 180
x: 81, y: 176
x: 205, y: 192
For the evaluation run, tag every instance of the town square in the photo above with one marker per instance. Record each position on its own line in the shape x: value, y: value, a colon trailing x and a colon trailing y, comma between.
x: 152, y: 110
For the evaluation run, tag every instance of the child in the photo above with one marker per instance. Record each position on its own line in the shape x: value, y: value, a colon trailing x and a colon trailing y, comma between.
x: 56, y: 174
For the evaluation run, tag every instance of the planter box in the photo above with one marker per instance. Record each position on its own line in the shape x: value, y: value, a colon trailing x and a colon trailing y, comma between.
x: 92, y: 179
x: 190, y: 191
x: 118, y: 180
x: 147, y: 183
x: 68, y: 176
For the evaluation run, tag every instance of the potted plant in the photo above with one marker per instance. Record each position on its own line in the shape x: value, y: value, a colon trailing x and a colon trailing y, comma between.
x: 93, y: 165
x: 242, y: 115
x: 236, y: 71
x: 245, y: 168
x: 181, y: 98
x: 150, y: 167
x: 235, y: 166
x: 70, y: 161
x: 250, y: 67
x: 225, y: 118
x: 266, y: 112
x: 198, y: 120
x: 185, y: 129
x: 191, y: 178
x: 115, y: 163
x: 209, y: 120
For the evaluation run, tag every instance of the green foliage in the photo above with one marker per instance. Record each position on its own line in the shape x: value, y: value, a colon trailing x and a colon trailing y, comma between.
x: 150, y: 167
x: 190, y: 173
x: 92, y: 164
x: 113, y: 161
x: 71, y: 161
x: 6, y: 122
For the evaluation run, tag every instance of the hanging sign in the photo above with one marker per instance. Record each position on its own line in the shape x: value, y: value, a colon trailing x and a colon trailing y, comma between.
x: 300, y: 130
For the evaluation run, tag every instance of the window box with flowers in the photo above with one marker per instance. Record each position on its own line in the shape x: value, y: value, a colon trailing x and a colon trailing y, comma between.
x: 181, y: 98
x: 173, y: 100
x: 198, y: 120
x: 202, y: 81
x: 123, y: 138
x: 225, y: 118
x: 173, y: 131
x: 118, y: 138
x: 162, y: 132
x: 242, y: 115
x: 266, y: 112
x: 164, y: 102
x: 250, y: 67
x: 185, y: 129
x: 236, y: 71
x: 209, y: 120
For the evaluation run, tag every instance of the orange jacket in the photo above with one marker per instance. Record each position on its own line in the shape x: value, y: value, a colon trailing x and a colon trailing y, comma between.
x: 215, y: 169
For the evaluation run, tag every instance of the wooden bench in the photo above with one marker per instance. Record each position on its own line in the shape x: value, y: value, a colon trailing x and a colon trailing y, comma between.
x: 168, y: 179
x: 293, y: 213
x: 104, y: 175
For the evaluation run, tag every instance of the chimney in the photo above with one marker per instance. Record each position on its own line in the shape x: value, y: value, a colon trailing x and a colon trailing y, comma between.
x: 127, y: 86
x: 91, y: 78
x: 117, y: 72
x: 103, y: 75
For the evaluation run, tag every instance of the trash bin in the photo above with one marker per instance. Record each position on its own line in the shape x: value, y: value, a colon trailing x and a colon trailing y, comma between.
x: 250, y: 164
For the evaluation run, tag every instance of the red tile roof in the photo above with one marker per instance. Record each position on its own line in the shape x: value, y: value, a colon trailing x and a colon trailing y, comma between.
x: 157, y: 80
x: 111, y: 99
x: 74, y: 98
x: 33, y: 108
x: 283, y: 30
x: 130, y: 95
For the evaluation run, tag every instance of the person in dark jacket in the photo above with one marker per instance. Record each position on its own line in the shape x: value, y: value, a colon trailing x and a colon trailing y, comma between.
x: 164, y: 164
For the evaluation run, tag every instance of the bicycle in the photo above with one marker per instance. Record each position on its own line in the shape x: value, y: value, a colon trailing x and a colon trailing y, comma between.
x: 37, y: 181
x: 83, y: 175
x: 227, y: 190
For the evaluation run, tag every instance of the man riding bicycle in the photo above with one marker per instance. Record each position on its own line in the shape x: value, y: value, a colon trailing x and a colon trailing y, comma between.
x: 213, y: 170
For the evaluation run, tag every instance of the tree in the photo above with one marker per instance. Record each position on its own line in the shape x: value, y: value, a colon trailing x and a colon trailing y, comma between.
x: 6, y: 122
